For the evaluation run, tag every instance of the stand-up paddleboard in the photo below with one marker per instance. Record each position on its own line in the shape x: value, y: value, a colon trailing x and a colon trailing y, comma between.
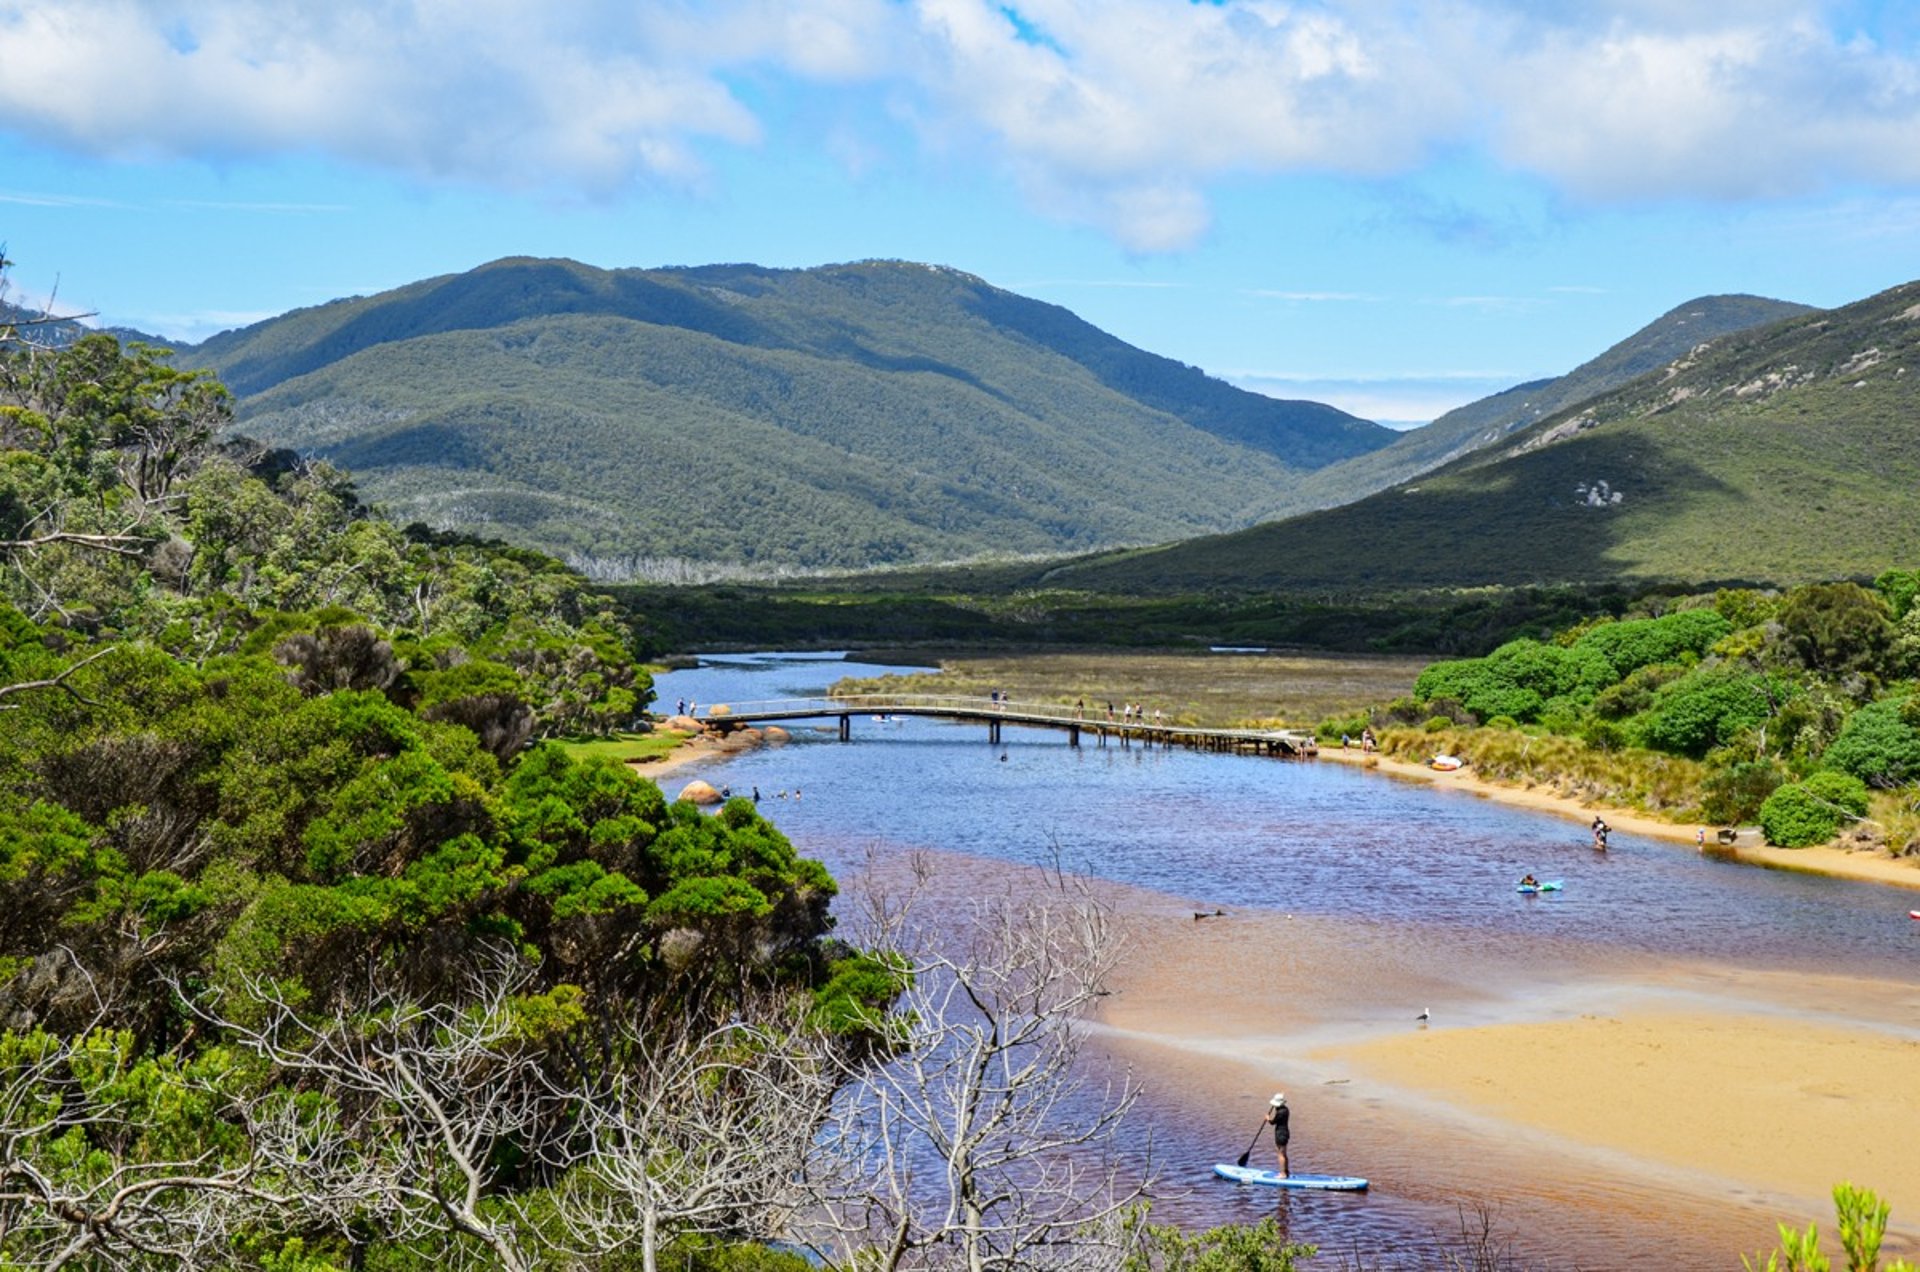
x: 1913, y: 914
x: 1551, y: 885
x: 1318, y: 1183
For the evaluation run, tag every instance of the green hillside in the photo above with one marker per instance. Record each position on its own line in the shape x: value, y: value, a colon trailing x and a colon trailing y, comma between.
x: 1486, y: 421
x: 671, y: 423
x: 1782, y: 454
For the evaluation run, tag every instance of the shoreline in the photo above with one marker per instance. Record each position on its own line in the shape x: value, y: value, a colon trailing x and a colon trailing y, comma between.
x: 1663, y: 1088
x: 1863, y: 867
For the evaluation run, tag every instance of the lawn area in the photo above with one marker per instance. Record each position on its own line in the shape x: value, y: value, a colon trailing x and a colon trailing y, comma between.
x: 624, y: 746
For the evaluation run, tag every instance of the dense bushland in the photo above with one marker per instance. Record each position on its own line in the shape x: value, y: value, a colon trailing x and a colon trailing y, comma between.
x: 313, y: 941
x: 1795, y: 709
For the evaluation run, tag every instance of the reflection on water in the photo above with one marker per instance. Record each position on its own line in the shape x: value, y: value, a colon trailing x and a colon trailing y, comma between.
x: 1434, y: 869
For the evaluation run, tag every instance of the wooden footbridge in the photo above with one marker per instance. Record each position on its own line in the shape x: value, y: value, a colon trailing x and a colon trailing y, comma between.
x: 883, y: 709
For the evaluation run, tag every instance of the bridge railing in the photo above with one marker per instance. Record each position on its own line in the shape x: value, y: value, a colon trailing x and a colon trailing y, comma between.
x: 973, y: 705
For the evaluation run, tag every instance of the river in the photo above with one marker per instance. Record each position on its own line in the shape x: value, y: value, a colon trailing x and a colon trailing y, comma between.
x: 1328, y: 845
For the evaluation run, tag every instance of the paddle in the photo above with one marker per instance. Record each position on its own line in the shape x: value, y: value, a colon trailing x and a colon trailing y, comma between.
x: 1249, y: 1152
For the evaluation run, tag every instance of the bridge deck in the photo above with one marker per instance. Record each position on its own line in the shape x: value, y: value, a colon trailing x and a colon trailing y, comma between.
x: 994, y: 714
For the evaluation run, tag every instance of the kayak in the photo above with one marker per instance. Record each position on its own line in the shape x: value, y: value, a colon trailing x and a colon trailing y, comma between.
x: 1913, y: 914
x: 1551, y: 885
x: 1315, y: 1183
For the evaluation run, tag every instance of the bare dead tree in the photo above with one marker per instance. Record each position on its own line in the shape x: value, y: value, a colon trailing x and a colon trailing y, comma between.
x: 698, y: 1132
x: 984, y: 1141
x: 421, y: 1096
x: 66, y: 1201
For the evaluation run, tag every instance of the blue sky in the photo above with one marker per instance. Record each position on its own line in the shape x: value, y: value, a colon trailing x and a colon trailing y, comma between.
x: 1389, y: 205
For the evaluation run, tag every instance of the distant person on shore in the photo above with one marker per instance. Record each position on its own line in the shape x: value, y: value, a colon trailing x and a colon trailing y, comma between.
x: 1109, y: 713
x: 1345, y: 741
x: 1080, y: 709
x: 681, y: 707
x: 1277, y: 1119
x: 1366, y: 740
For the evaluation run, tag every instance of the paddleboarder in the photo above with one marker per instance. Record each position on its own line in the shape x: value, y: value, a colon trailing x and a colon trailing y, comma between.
x: 1277, y: 1118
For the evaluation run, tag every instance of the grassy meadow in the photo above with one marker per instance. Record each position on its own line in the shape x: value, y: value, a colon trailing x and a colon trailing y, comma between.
x: 1191, y: 688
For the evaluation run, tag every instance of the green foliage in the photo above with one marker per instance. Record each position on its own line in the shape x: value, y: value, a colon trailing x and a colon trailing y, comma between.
x: 1254, y: 1247
x: 1863, y: 1226
x: 1705, y: 709
x: 1900, y: 588
x: 1735, y: 794
x: 1812, y: 811
x: 1630, y: 645
x: 1880, y: 743
x: 1836, y: 628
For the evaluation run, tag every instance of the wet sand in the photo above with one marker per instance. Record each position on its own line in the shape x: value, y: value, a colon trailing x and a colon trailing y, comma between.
x: 1631, y: 1104
x: 1872, y: 867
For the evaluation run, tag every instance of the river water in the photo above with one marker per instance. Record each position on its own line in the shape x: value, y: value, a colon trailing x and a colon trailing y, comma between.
x: 1323, y: 842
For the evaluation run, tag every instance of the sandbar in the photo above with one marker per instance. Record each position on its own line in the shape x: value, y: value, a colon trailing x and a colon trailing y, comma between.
x: 1773, y: 1103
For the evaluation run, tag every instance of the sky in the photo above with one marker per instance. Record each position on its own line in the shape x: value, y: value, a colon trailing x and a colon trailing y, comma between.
x: 1396, y: 206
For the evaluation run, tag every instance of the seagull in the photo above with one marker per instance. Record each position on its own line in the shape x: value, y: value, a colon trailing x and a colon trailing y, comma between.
x: 1426, y: 1014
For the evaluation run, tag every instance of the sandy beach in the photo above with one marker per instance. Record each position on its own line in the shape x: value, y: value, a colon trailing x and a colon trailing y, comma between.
x: 1647, y: 1095
x: 1874, y: 867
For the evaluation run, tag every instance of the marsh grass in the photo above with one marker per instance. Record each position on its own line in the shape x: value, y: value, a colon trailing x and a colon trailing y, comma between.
x: 1665, y: 785
x: 1217, y: 690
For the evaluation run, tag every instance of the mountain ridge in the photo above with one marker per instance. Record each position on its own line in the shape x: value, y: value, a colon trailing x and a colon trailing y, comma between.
x: 851, y: 415
x: 1776, y: 455
x: 1485, y: 421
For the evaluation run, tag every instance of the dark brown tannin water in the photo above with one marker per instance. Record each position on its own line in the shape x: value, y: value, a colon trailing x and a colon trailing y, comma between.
x: 1422, y: 874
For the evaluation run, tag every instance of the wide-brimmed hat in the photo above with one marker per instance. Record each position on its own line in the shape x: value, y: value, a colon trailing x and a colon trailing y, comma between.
x: 1279, y: 1098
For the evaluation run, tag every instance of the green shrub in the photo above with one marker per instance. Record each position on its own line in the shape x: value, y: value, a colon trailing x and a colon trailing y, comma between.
x: 1503, y: 722
x: 1735, y: 794
x: 1704, y: 709
x: 1813, y: 811
x: 1836, y: 628
x: 1629, y: 646
x: 1439, y: 724
x: 1879, y: 744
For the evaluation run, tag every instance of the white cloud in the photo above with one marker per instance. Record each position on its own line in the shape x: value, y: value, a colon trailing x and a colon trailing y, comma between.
x: 1114, y: 113
x: 1397, y: 400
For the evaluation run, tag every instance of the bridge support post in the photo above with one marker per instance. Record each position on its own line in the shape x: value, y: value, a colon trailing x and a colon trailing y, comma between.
x: 846, y: 728
x: 1073, y: 735
x: 993, y: 732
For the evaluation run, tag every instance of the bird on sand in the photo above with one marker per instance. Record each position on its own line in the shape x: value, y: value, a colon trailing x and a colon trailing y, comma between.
x: 1425, y: 1015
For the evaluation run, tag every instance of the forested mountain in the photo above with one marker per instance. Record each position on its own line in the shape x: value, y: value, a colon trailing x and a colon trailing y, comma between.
x: 1485, y: 422
x: 853, y: 415
x: 1780, y: 454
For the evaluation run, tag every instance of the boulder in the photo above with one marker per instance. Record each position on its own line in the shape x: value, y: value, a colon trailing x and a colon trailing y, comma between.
x: 740, y: 740
x: 700, y: 793
x: 775, y: 735
x: 682, y: 724
x: 718, y: 710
